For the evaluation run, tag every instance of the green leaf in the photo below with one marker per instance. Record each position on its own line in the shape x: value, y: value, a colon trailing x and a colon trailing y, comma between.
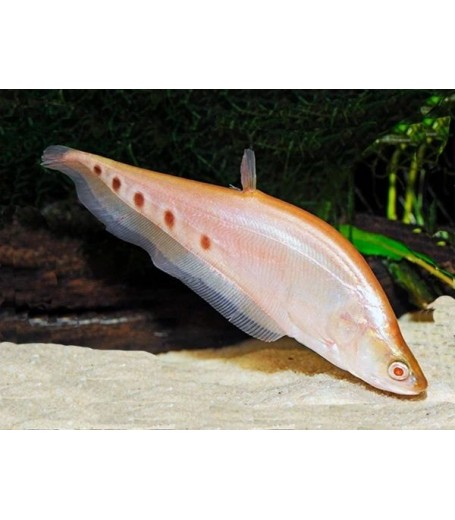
x: 379, y: 245
x: 374, y: 243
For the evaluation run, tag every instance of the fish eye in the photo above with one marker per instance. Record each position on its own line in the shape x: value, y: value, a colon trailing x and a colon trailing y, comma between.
x: 398, y: 370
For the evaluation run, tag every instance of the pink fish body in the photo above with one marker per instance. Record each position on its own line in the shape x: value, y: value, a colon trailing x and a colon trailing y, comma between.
x: 269, y: 267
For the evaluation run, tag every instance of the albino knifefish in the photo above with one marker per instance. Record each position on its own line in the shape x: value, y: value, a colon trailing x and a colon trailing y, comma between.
x: 270, y: 268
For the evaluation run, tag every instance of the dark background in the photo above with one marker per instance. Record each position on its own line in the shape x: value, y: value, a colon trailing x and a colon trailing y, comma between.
x: 308, y: 143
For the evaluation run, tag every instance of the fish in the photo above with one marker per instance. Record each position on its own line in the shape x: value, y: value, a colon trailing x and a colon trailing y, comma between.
x: 269, y: 267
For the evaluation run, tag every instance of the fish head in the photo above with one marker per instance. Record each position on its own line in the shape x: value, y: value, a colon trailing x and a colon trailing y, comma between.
x: 384, y: 360
x: 369, y: 344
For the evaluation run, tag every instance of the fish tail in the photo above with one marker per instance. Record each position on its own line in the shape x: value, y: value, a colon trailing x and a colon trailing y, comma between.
x: 54, y: 156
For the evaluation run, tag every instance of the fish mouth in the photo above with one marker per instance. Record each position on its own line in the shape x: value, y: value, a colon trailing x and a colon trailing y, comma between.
x: 421, y: 384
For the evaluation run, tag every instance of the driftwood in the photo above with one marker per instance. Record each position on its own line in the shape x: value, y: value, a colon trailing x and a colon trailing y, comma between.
x: 54, y: 289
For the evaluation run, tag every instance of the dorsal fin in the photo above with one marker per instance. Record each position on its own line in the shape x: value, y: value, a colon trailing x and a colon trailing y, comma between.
x: 248, y: 170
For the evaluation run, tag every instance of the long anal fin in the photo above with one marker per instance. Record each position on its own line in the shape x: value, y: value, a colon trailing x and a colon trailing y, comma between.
x: 224, y: 294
